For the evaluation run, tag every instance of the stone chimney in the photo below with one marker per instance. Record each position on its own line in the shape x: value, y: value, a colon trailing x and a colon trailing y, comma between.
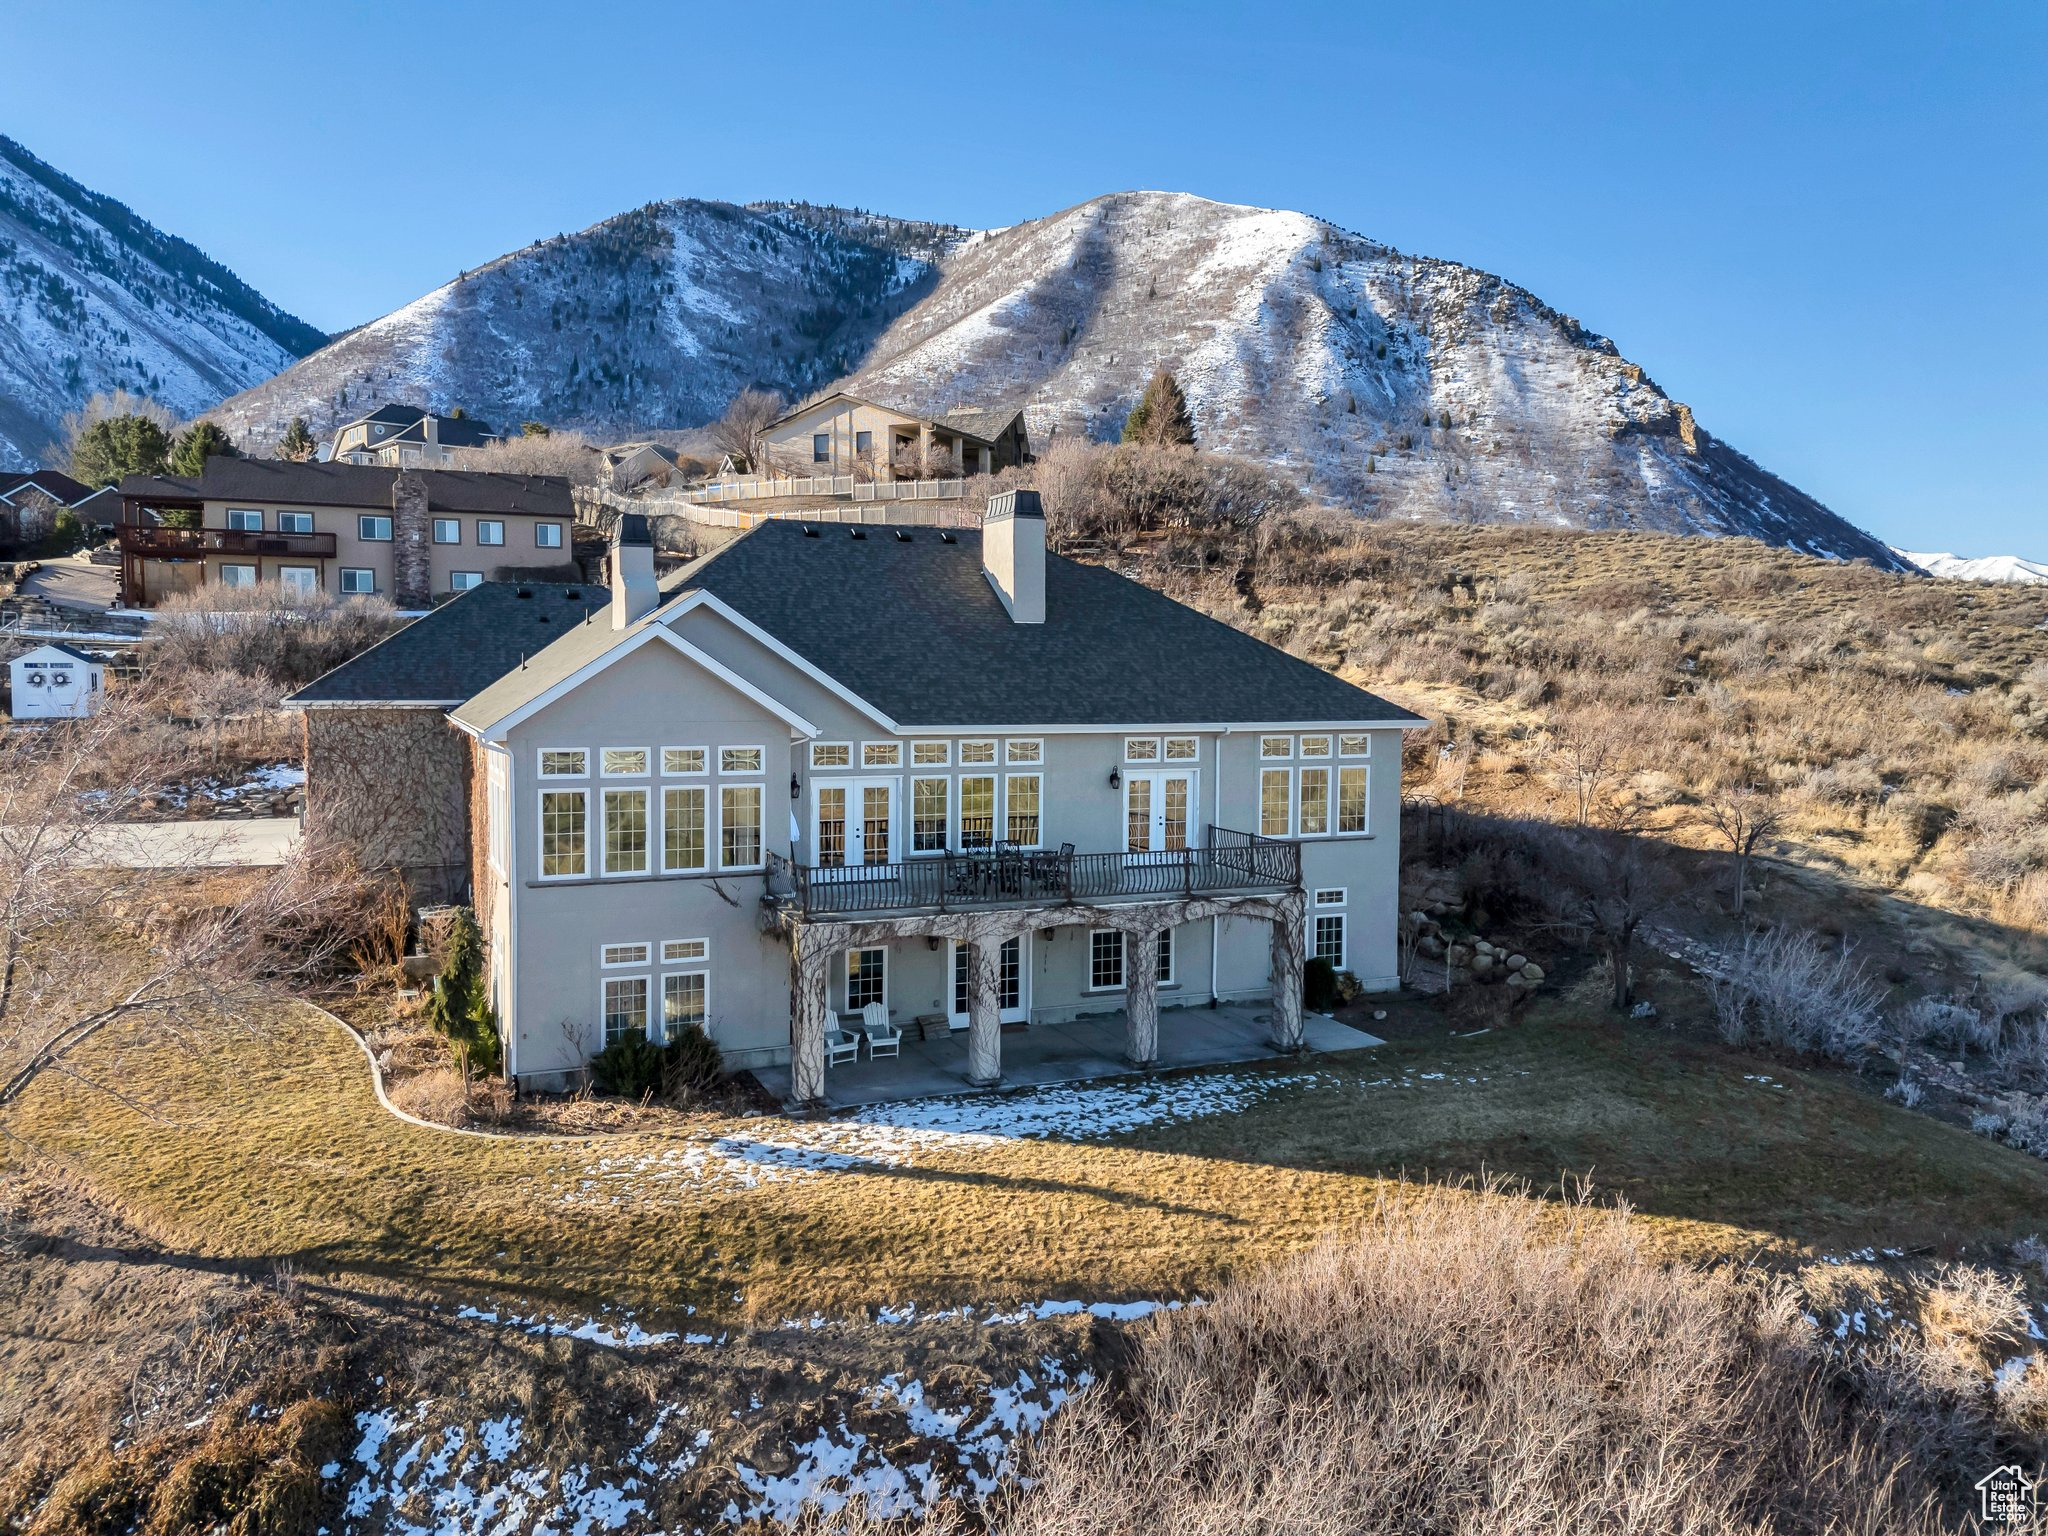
x: 1013, y: 553
x: 412, y: 573
x: 634, y: 590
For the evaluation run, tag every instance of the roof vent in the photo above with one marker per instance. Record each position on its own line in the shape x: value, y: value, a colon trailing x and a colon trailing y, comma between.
x: 858, y: 533
x: 810, y: 532
x: 946, y: 537
x: 524, y: 592
x: 902, y: 536
x: 574, y: 594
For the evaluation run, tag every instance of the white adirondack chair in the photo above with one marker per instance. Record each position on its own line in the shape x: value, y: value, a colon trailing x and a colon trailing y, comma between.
x: 841, y: 1045
x: 883, y: 1037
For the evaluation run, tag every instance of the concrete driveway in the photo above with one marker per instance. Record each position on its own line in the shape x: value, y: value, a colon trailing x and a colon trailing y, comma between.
x: 74, y: 584
x: 257, y: 844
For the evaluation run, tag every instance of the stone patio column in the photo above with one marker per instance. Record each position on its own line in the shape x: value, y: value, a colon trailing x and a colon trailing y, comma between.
x: 1289, y: 955
x: 1141, y: 997
x: 809, y: 957
x: 984, y: 1014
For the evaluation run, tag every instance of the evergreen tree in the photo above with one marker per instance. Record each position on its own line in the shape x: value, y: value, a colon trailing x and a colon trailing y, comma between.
x: 120, y: 445
x: 460, y: 1010
x: 1162, y: 418
x: 297, y: 443
x: 534, y: 429
x: 199, y: 442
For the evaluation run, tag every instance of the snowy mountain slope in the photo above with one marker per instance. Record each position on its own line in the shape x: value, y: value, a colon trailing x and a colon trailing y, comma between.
x: 1984, y: 568
x: 655, y: 318
x: 1336, y: 357
x: 93, y: 298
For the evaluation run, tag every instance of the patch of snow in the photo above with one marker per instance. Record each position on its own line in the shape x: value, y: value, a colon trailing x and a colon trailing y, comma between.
x: 1983, y: 568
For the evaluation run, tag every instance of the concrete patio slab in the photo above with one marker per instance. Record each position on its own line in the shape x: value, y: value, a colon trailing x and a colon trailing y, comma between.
x: 1075, y: 1052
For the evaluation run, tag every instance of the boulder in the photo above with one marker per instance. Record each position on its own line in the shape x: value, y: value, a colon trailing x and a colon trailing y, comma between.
x: 1482, y: 965
x: 1516, y: 962
x: 1531, y: 973
x: 1460, y: 954
x: 1431, y: 946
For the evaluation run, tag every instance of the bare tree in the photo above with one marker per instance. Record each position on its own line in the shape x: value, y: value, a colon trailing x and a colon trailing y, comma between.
x: 570, y: 455
x: 1743, y: 814
x: 1594, y: 752
x: 1608, y: 880
x: 106, y: 407
x: 737, y: 434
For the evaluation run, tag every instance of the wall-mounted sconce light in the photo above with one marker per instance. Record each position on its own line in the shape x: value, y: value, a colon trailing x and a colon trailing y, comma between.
x: 795, y: 789
x: 1116, y: 778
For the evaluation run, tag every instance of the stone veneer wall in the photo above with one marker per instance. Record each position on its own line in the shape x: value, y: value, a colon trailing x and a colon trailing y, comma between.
x: 394, y: 784
x: 412, y: 574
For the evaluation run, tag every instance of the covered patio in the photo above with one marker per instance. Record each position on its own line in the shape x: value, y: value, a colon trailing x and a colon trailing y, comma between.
x: 1083, y: 1049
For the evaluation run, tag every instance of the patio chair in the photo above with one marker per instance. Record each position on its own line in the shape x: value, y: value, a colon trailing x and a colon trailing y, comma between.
x: 883, y: 1037
x: 841, y: 1045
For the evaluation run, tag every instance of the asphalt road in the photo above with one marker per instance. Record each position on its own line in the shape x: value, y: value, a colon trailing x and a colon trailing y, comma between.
x: 178, y: 844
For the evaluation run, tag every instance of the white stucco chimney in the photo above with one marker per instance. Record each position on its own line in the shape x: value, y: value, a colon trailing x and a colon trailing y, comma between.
x: 634, y: 590
x: 1013, y: 553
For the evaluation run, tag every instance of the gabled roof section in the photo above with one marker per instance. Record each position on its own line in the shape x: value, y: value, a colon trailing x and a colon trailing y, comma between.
x: 953, y: 423
x: 52, y: 483
x: 461, y: 648
x: 911, y: 625
x: 357, y: 485
x: 61, y: 649
x: 982, y: 426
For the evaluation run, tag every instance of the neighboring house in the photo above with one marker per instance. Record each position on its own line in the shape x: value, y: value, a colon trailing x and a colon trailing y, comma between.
x: 30, y: 501
x: 629, y: 466
x: 844, y: 434
x: 825, y: 767
x: 55, y: 682
x: 404, y: 436
x: 347, y: 529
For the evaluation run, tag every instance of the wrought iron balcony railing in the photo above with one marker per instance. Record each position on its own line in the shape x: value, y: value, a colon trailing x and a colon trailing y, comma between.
x: 1003, y: 876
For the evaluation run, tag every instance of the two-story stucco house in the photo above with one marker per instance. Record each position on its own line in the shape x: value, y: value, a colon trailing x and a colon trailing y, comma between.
x: 842, y: 434
x: 946, y: 773
x: 353, y: 530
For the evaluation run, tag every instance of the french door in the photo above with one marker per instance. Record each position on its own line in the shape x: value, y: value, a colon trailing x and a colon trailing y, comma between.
x: 854, y: 822
x: 1158, y: 811
x: 1010, y: 983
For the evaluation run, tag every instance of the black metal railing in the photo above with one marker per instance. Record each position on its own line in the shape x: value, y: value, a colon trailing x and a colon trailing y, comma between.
x: 1004, y: 876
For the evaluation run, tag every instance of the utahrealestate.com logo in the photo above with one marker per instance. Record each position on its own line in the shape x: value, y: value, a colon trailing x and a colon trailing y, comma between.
x: 2007, y: 1496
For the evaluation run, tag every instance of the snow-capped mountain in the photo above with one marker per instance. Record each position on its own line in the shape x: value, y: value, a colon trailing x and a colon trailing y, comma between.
x: 1983, y: 568
x: 94, y: 298
x: 656, y: 318
x: 1394, y: 384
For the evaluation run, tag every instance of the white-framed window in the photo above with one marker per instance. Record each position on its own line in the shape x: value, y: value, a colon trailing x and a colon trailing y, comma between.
x: 1141, y: 749
x: 1313, y: 813
x: 821, y: 447
x: 739, y: 826
x: 1315, y: 746
x: 358, y: 582
x: 498, y: 806
x: 238, y: 575
x: 741, y: 759
x: 867, y: 978
x: 863, y: 442
x: 676, y: 760
x: 1166, y: 957
x: 974, y: 752
x: 1183, y: 749
x: 625, y: 1007
x: 930, y: 754
x: 1354, y: 800
x: 684, y: 844
x: 547, y: 535
x: 564, y: 762
x: 1276, y: 746
x: 622, y: 762
x: 447, y: 530
x: 881, y: 754
x: 676, y: 951
x: 685, y: 1002
x: 617, y: 956
x: 489, y: 531
x: 831, y: 754
x: 977, y: 810
x: 1276, y: 802
x: 625, y: 832
x: 294, y: 522
x: 373, y: 529
x: 564, y: 834
x: 245, y: 520
x: 462, y: 581
x: 1105, y: 959
x: 1029, y: 749
x: 1022, y: 795
x: 1330, y: 896
x: 930, y: 806
x: 1354, y: 744
x: 1330, y: 938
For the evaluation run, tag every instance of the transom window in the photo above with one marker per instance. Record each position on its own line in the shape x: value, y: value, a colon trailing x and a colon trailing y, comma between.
x: 682, y: 759
x: 739, y: 759
x: 1276, y: 746
x: 1315, y: 746
x: 674, y: 950
x: 881, y: 754
x: 1182, y: 749
x: 564, y: 762
x: 977, y: 751
x: 1356, y: 745
x: 831, y: 754
x: 1330, y: 897
x: 682, y: 829
x: 1031, y: 751
x: 1141, y: 749
x: 930, y: 754
x: 624, y: 954
x: 627, y: 761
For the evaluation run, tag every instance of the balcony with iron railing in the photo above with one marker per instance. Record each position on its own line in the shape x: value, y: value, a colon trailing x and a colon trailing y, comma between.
x: 162, y: 543
x: 1006, y: 876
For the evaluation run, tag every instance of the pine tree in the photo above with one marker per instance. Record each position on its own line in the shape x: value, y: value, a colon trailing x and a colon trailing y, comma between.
x: 297, y: 443
x: 108, y: 450
x: 199, y: 442
x: 1162, y: 418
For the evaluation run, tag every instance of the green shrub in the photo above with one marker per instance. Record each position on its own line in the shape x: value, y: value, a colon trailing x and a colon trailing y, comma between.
x: 634, y: 1066
x: 1318, y: 985
x: 459, y: 1009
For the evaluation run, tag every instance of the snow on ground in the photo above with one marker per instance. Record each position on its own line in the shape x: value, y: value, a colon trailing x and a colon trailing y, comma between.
x: 1984, y: 568
x: 619, y: 1333
x: 899, y: 1135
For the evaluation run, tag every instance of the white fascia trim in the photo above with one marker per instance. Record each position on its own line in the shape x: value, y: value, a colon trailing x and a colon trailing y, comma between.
x: 702, y: 599
x: 1042, y: 728
x: 497, y: 730
x: 370, y: 704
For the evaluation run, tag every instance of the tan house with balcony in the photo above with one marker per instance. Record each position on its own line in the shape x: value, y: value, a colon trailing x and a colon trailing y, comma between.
x: 844, y: 434
x: 407, y: 437
x: 351, y: 530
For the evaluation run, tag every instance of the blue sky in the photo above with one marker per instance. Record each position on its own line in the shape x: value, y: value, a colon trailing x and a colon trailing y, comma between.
x: 1822, y: 226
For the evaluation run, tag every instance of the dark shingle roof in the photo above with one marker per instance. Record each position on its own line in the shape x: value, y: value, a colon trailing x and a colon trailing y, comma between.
x: 357, y: 485
x: 52, y: 483
x: 985, y: 426
x: 459, y: 649
x: 914, y: 627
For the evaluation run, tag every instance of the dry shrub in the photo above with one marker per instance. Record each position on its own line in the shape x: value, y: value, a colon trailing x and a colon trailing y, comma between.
x: 569, y: 454
x: 1786, y: 989
x: 439, y: 1094
x: 1485, y: 1364
x: 287, y: 638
